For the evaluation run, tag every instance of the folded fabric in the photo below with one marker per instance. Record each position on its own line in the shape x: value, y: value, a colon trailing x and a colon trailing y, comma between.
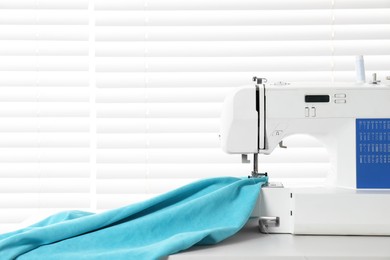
x: 203, y: 212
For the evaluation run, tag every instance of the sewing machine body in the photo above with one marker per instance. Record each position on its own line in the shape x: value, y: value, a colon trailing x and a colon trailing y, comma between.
x: 353, y: 123
x: 324, y: 211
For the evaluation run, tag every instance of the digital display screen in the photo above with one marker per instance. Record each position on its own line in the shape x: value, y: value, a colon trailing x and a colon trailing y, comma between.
x: 317, y: 98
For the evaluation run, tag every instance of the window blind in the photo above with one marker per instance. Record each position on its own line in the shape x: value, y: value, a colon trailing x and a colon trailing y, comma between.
x: 107, y: 102
x: 44, y: 108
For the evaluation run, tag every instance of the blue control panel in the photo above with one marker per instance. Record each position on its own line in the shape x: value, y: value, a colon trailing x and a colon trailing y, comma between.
x: 373, y: 153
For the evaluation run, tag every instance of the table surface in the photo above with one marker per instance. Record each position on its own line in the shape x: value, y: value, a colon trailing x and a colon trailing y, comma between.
x: 250, y: 244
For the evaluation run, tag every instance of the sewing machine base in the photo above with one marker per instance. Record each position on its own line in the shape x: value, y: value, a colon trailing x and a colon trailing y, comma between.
x: 323, y: 211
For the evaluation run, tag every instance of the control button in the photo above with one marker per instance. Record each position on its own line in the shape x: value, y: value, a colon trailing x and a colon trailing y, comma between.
x: 340, y: 101
x: 306, y: 112
x: 313, y: 112
x: 340, y: 95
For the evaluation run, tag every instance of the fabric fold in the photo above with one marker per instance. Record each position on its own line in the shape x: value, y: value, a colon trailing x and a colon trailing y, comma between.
x: 204, y: 212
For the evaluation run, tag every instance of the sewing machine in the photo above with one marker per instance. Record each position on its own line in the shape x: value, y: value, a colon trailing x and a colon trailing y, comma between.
x: 351, y: 120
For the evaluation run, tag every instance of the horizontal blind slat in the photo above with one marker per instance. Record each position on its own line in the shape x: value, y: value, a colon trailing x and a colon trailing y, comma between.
x: 217, y: 33
x: 44, y: 94
x: 44, y: 17
x: 43, y: 78
x: 236, y: 5
x: 39, y: 185
x: 44, y: 63
x: 44, y: 4
x: 46, y: 170
x: 44, y: 109
x: 242, y: 18
x: 213, y: 49
x: 211, y: 5
x: 213, y: 64
x: 361, y: 31
x: 43, y: 155
x: 43, y: 32
x: 305, y: 32
x: 211, y: 155
x: 242, y: 49
x: 221, y: 18
x: 171, y: 79
x: 157, y: 125
x: 364, y: 47
x: 44, y: 140
x: 361, y: 4
x: 43, y: 48
x: 170, y: 171
x: 362, y: 16
x: 224, y: 64
x: 157, y: 110
x: 199, y: 140
x: 43, y: 125
x: 372, y: 62
x: 163, y: 95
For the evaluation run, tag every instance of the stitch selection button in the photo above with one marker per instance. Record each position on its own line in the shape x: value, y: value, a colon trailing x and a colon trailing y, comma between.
x: 340, y: 95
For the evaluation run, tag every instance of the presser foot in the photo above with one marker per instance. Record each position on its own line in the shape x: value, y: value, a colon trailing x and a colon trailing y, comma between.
x: 258, y: 175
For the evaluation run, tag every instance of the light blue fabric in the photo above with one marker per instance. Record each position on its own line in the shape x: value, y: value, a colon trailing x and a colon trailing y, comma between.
x: 204, y: 212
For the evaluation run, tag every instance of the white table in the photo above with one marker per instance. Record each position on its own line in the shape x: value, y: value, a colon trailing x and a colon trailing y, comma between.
x: 250, y: 244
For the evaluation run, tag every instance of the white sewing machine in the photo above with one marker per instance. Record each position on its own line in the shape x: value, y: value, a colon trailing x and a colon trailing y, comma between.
x: 351, y: 120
